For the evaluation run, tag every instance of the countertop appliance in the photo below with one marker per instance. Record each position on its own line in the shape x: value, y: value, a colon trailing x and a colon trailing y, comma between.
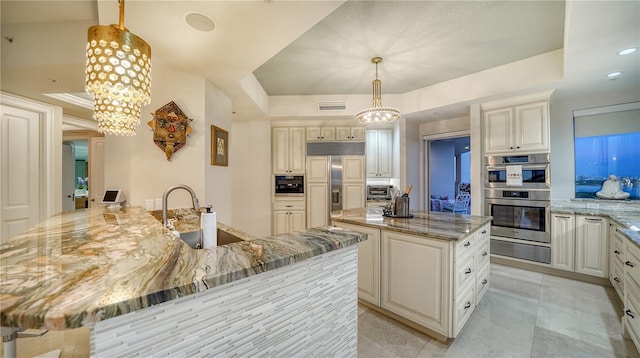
x: 379, y: 192
x: 289, y: 185
x: 535, y: 171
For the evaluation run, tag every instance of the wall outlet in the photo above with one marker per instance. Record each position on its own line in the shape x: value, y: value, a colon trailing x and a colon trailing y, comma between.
x: 148, y: 204
x: 158, y: 204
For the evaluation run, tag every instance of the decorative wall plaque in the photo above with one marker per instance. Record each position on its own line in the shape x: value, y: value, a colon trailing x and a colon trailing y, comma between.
x: 170, y: 128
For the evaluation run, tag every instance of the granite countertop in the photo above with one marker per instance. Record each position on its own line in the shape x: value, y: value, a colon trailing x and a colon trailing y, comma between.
x: 430, y: 224
x: 85, y: 266
x: 625, y: 215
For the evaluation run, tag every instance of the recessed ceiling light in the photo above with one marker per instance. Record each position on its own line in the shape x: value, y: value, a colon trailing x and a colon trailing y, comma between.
x: 627, y: 51
x: 200, y: 22
x: 614, y: 74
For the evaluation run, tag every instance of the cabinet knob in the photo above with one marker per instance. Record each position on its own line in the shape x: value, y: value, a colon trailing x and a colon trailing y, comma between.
x: 468, y: 271
x: 629, y: 313
x: 484, y: 232
x: 616, y: 279
x: 517, y: 147
x: 628, y: 263
x: 510, y: 147
x: 485, y: 253
x: 467, y: 305
x: 484, y: 282
x: 467, y: 244
x: 616, y: 252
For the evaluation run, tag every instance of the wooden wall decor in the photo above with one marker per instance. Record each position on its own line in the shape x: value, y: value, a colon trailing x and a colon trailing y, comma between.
x: 170, y: 128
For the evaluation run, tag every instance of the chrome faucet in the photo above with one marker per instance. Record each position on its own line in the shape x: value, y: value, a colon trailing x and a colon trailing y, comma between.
x: 194, y: 199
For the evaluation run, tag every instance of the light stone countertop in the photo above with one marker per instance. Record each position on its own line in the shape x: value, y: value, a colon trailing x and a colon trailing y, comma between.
x: 436, y: 225
x: 81, y: 267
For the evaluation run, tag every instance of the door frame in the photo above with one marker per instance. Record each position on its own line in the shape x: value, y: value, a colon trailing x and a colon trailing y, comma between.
x: 50, y: 181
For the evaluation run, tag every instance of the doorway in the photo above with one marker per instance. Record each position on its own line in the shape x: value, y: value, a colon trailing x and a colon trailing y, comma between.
x: 448, y: 174
x: 75, y: 173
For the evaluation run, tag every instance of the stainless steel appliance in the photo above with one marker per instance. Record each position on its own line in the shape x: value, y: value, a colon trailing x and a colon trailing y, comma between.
x: 379, y: 192
x: 535, y: 171
x: 289, y: 185
x: 521, y: 223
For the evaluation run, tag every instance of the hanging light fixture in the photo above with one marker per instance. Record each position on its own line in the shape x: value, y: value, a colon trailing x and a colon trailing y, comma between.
x: 377, y: 113
x: 118, y: 76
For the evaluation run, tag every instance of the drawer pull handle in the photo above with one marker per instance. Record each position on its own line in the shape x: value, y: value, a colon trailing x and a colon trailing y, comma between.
x: 628, y: 313
x: 628, y: 263
x: 616, y: 279
x: 485, y: 253
x: 468, y: 305
x: 484, y: 282
x: 468, y: 271
x: 563, y: 217
x: 595, y: 220
x: 467, y: 244
x: 616, y: 252
x: 484, y: 231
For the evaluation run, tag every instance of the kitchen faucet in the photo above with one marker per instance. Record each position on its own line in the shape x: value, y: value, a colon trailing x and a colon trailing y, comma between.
x: 194, y: 199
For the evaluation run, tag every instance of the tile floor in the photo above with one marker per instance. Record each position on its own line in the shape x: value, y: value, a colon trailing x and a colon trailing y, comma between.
x: 524, y: 314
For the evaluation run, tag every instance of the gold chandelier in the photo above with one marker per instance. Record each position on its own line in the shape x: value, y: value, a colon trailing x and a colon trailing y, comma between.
x: 377, y: 113
x: 118, y: 76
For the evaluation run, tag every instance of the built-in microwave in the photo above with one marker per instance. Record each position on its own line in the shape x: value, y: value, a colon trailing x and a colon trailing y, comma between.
x: 535, y: 171
x: 289, y: 185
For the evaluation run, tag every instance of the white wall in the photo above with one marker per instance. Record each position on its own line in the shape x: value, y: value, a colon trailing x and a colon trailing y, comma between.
x: 442, y: 171
x: 562, y: 139
x: 410, y: 142
x: 251, y: 159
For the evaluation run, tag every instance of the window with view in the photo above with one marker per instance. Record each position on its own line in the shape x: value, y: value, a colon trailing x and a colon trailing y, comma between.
x: 607, y: 142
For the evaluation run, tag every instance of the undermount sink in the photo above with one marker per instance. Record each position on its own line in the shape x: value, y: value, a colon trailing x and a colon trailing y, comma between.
x: 192, y: 238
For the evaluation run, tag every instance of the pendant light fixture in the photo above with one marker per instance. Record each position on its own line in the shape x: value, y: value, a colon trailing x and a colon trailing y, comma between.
x: 377, y: 113
x: 118, y: 76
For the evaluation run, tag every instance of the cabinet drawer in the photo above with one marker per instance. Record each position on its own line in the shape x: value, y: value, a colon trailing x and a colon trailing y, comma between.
x: 465, y: 272
x: 288, y: 205
x: 465, y: 247
x: 632, y: 311
x: 484, y: 234
x: 617, y: 247
x: 632, y: 262
x: 483, y: 255
x: 482, y: 283
x: 463, y: 307
x: 617, y: 277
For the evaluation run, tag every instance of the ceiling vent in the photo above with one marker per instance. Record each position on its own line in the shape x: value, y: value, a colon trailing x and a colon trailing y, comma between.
x: 332, y: 106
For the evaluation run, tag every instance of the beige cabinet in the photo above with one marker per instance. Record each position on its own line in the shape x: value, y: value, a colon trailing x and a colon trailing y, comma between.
x: 288, y: 150
x: 591, y: 246
x: 349, y: 133
x: 353, y: 182
x: 631, y: 318
x: 521, y: 128
x: 379, y: 150
x: 288, y: 215
x: 580, y: 244
x: 617, y: 257
x: 317, y: 191
x: 314, y: 134
x: 415, y: 279
x: 563, y: 239
x: 368, y: 263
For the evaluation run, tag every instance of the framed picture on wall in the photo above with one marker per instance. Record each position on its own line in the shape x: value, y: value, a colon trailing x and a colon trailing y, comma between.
x: 219, y: 146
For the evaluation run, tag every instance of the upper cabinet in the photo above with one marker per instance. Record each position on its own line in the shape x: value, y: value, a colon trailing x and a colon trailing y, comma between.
x: 321, y: 134
x: 379, y: 149
x: 350, y: 133
x: 288, y: 150
x: 520, y: 125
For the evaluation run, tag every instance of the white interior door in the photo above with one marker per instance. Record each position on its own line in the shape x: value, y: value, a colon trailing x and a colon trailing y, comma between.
x: 68, y: 177
x: 96, y: 170
x: 20, y: 171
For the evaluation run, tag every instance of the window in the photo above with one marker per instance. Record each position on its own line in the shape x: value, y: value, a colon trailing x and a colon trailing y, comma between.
x: 607, y: 142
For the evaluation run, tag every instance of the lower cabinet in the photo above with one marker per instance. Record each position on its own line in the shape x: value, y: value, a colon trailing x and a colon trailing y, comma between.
x: 631, y: 318
x: 580, y: 243
x: 288, y: 216
x: 431, y: 282
x: 368, y: 263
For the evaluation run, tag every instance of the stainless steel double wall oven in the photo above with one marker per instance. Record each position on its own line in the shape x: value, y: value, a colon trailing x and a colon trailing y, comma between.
x: 521, y: 214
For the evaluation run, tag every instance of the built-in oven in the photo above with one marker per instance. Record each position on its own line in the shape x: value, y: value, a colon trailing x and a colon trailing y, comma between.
x: 521, y: 223
x: 534, y: 171
x: 289, y: 185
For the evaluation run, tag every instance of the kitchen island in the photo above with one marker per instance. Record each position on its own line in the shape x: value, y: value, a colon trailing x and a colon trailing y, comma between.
x: 428, y: 271
x: 141, y: 290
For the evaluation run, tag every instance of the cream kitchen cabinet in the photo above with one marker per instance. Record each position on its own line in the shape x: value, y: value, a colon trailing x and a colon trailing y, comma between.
x: 631, y: 318
x: 317, y: 191
x: 379, y: 149
x: 617, y: 258
x: 288, y: 150
x: 315, y: 134
x: 350, y: 133
x: 517, y: 129
x: 592, y: 245
x: 368, y: 263
x: 579, y: 243
x: 353, y: 182
x: 288, y: 215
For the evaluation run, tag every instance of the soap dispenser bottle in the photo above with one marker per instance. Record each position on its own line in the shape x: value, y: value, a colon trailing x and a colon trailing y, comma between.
x: 208, y: 225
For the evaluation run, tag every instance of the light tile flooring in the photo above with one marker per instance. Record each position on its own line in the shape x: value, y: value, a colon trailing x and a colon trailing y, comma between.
x: 524, y: 314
